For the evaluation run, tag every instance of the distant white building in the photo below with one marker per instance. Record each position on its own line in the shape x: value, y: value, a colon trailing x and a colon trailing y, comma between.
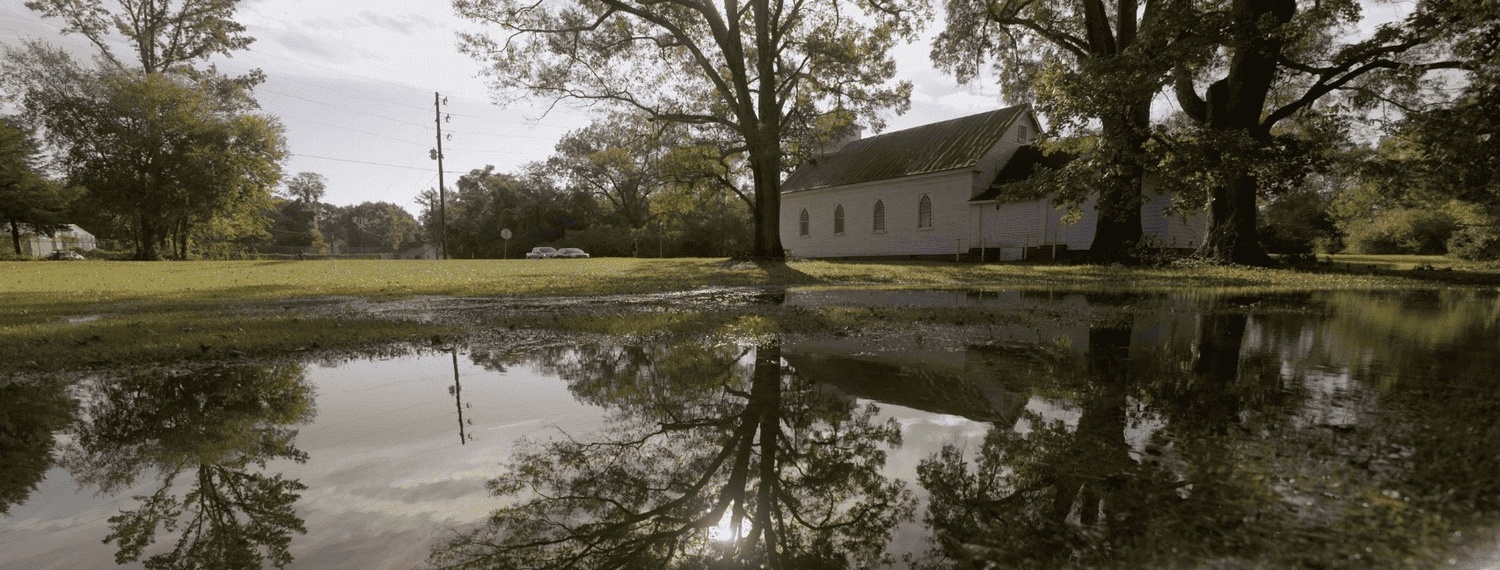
x: 424, y: 251
x: 936, y: 191
x: 40, y: 245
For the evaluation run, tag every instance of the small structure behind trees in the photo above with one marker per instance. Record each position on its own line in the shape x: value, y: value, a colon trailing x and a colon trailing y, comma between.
x: 170, y: 151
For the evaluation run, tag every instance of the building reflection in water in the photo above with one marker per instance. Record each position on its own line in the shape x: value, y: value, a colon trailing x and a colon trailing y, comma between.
x: 1293, y: 430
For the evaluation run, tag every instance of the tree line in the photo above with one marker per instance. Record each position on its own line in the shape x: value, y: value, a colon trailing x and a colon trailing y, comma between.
x: 1293, y: 124
x: 621, y: 186
x: 1267, y: 95
x: 155, y: 147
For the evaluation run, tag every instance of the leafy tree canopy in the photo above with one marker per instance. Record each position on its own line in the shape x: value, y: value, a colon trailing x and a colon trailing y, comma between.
x: 755, y: 73
x: 27, y: 198
x: 166, y: 145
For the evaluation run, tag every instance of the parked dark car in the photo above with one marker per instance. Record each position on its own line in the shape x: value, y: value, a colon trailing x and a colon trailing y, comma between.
x: 570, y: 252
x: 72, y: 255
x: 541, y: 253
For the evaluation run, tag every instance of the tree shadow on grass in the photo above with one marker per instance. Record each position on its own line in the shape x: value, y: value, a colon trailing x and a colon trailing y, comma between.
x: 777, y: 272
x: 1426, y: 274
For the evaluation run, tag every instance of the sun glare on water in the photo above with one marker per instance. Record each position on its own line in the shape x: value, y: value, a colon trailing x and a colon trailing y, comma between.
x: 725, y: 531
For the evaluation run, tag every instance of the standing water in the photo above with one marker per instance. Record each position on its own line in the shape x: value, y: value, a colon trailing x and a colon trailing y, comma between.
x: 1035, y: 430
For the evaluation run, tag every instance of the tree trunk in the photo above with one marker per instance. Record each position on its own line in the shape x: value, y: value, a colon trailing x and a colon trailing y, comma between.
x: 1126, y: 127
x: 15, y: 236
x: 1118, y: 231
x: 1232, y: 236
x: 766, y: 169
x: 765, y: 146
x: 182, y: 240
x: 146, y: 248
x: 1235, y: 106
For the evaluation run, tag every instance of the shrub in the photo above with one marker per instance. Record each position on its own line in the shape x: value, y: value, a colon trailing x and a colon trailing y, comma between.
x: 104, y: 254
x: 1402, y: 230
x: 1475, y: 243
x: 1295, y: 222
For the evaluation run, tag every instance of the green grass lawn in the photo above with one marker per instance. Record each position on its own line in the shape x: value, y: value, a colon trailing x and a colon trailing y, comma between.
x: 109, y: 281
x: 58, y: 315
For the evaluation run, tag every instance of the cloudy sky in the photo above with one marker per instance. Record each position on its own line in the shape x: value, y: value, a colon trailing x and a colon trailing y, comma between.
x: 354, y: 88
x: 355, y: 91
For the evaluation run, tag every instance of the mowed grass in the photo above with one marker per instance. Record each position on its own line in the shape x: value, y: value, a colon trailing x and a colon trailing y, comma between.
x: 107, y: 281
x: 89, y: 314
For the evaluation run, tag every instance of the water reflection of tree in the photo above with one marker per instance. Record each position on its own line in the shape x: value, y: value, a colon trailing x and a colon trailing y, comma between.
x: 216, y: 428
x: 1053, y: 494
x: 1247, y: 462
x: 707, y: 462
x: 30, y: 411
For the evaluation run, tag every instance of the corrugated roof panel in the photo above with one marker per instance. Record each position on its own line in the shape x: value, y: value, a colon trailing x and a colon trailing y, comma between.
x: 946, y: 145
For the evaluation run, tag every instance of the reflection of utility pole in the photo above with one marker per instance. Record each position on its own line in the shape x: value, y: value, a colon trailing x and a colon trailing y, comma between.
x: 458, y: 400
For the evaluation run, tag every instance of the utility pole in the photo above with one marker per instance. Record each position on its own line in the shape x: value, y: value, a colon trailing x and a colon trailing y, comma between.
x: 437, y: 105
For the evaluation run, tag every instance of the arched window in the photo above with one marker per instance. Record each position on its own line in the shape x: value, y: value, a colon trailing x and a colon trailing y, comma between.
x: 802, y: 223
x: 879, y: 216
x: 838, y: 219
x: 924, y: 212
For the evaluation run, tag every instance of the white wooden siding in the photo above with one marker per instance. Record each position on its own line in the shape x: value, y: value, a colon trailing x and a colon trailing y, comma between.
x: 1012, y: 226
x: 957, y: 224
x: 990, y: 164
x: 949, y: 192
x: 1171, y: 229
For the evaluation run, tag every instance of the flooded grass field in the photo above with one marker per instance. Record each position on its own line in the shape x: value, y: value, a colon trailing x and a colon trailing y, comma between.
x: 915, y: 429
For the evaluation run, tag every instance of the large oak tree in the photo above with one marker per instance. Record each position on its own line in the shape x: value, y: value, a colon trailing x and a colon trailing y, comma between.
x: 758, y: 73
x: 1272, y: 63
x: 1085, y: 64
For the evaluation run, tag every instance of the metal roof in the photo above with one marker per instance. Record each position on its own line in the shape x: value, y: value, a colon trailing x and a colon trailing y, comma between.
x: 1021, y: 166
x: 947, y: 145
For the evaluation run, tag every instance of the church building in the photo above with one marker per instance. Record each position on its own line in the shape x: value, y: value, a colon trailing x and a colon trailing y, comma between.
x: 937, y: 192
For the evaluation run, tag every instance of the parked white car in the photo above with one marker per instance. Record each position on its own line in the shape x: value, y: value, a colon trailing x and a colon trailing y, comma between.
x: 541, y: 253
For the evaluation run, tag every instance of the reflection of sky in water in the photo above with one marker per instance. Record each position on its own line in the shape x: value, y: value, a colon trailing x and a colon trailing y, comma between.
x: 386, y: 475
x: 385, y: 468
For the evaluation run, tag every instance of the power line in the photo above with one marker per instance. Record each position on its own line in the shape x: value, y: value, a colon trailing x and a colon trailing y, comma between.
x: 417, y: 144
x: 402, y: 121
x: 374, y: 79
x: 355, y: 111
x: 411, y: 106
x: 369, y: 163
